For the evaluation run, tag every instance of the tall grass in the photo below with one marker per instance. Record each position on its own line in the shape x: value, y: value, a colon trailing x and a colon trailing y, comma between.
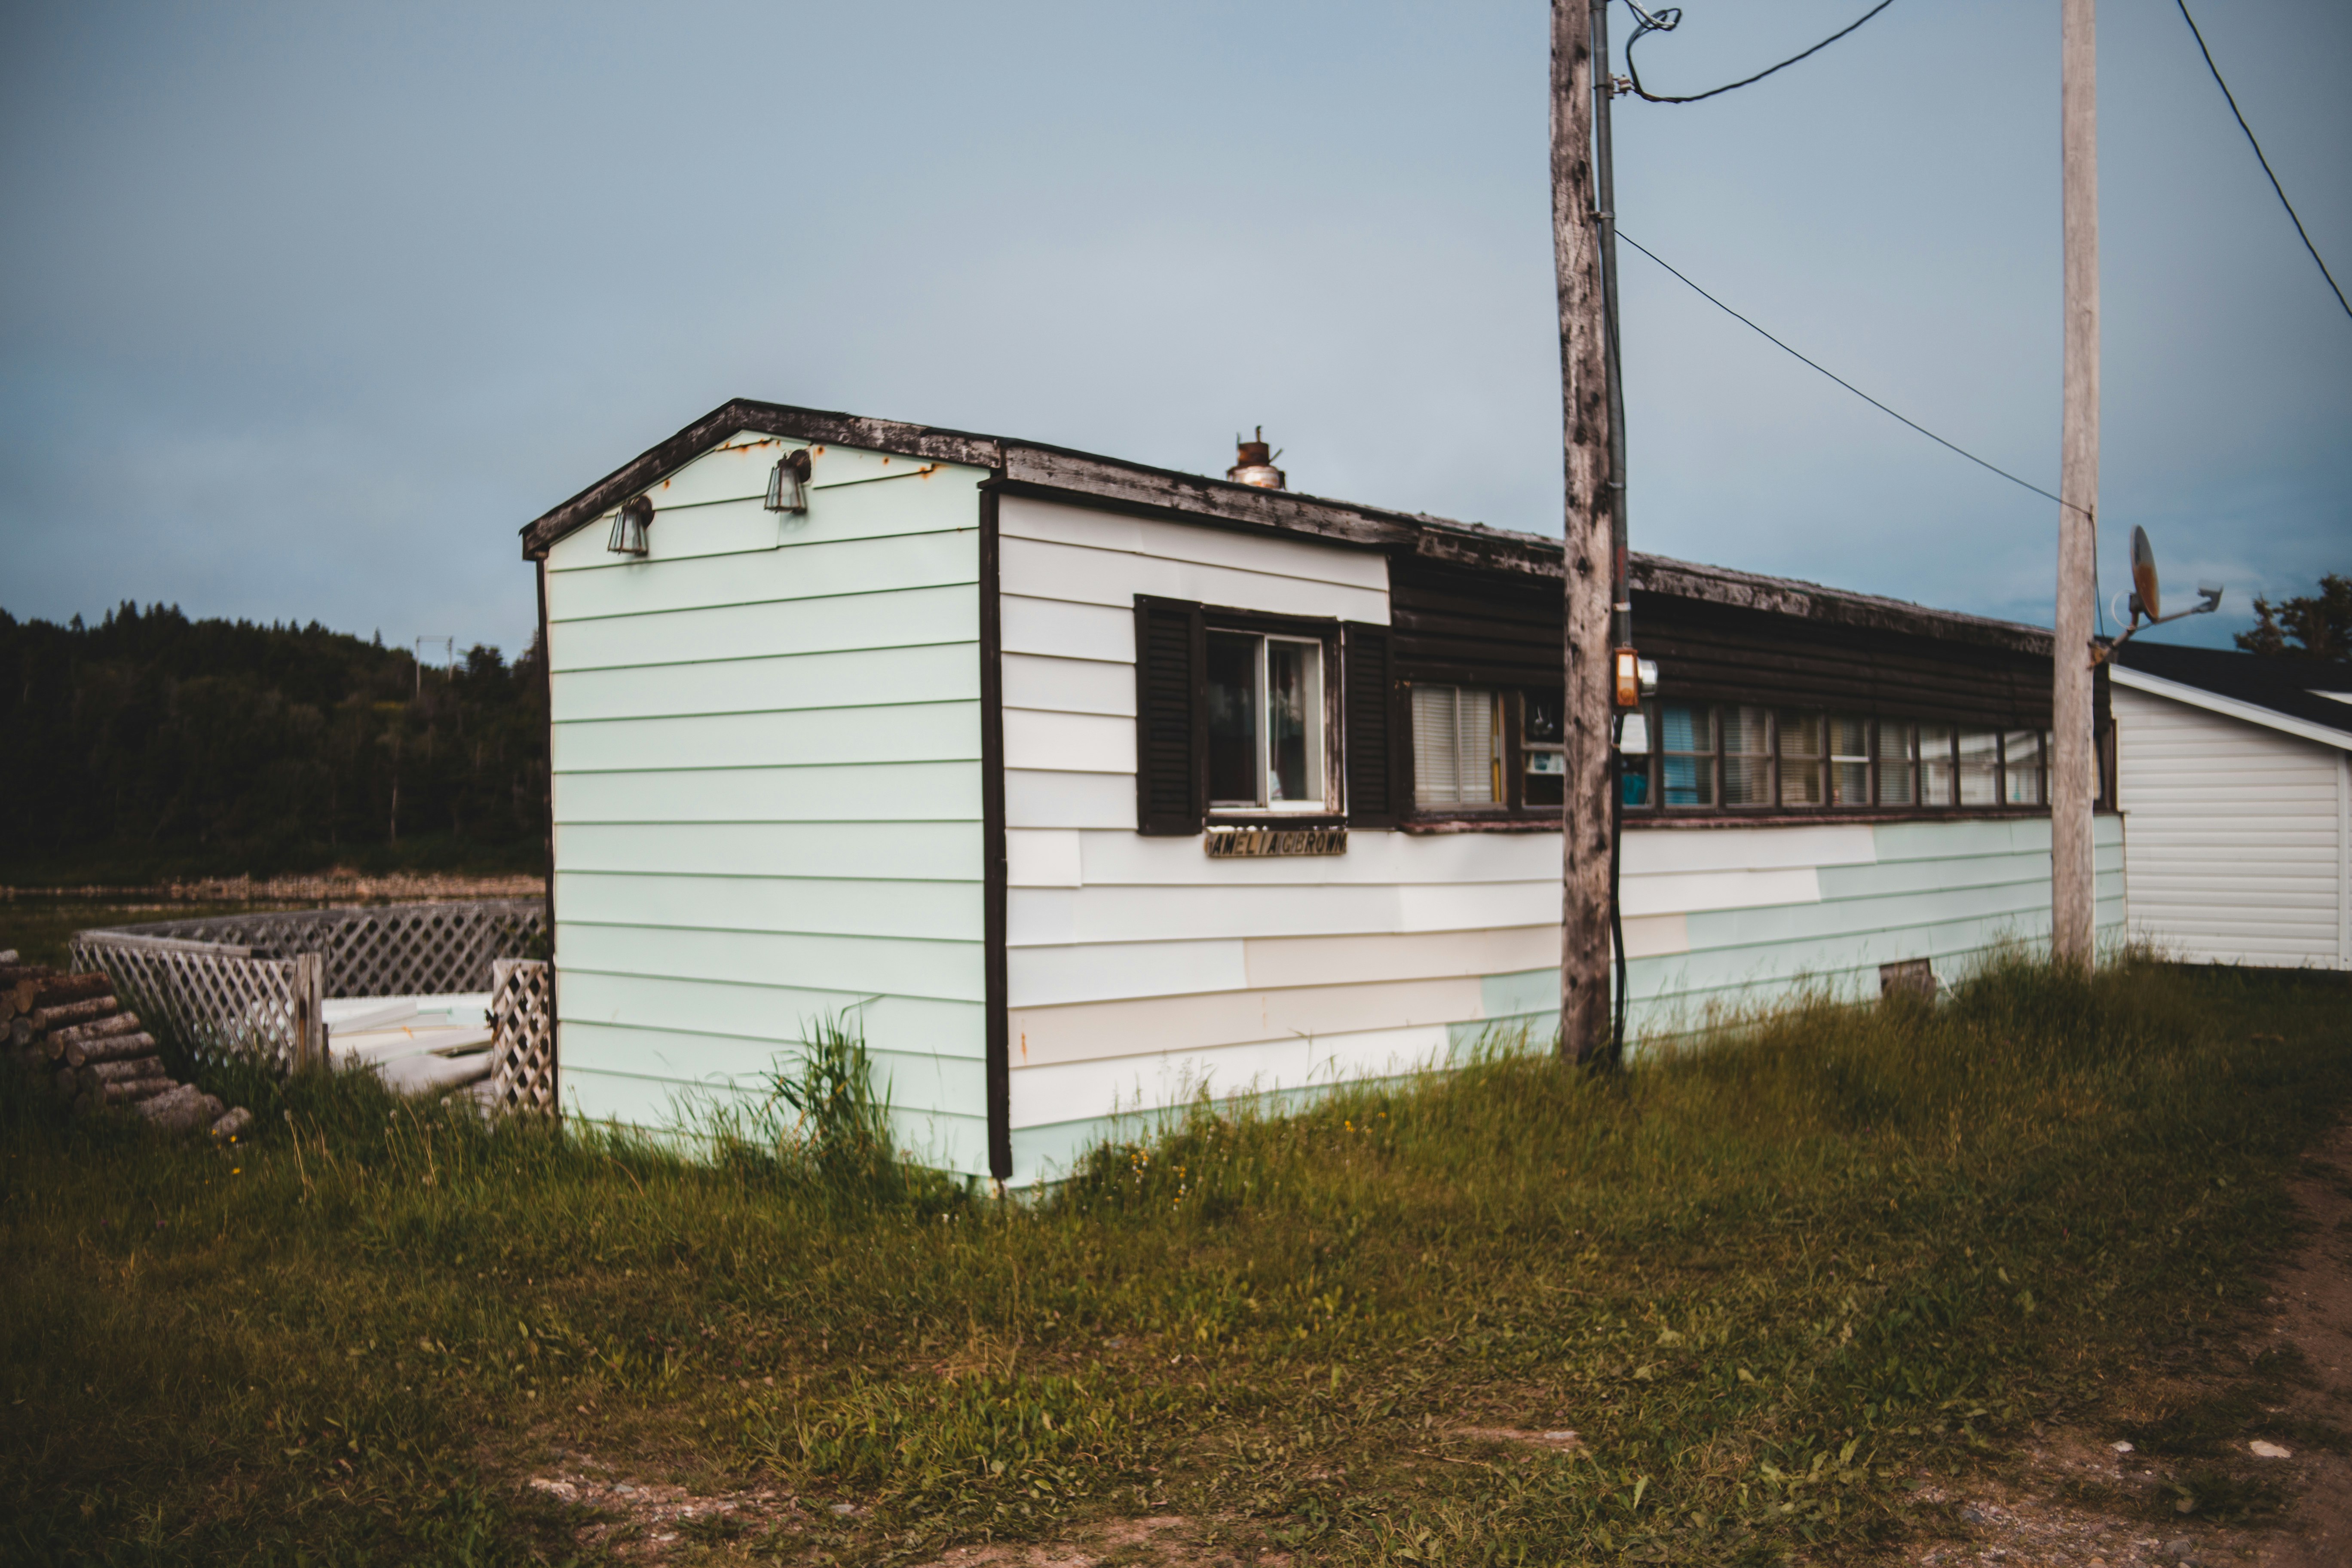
x: 1767, y: 1280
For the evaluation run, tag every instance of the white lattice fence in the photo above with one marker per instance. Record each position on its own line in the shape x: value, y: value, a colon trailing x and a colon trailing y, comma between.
x: 219, y: 1002
x: 522, y: 1038
x: 395, y: 950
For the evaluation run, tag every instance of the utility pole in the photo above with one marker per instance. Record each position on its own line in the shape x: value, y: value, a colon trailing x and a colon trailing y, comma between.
x: 2074, y: 767
x: 1588, y: 854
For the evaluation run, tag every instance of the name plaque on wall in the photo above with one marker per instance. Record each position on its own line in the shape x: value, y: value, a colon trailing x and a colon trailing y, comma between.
x: 1238, y: 843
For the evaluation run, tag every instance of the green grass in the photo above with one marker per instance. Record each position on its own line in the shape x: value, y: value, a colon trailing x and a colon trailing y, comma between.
x: 1769, y: 1283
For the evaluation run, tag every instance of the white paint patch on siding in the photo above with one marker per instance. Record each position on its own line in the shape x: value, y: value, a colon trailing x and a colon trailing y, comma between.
x: 1055, y: 629
x: 1083, y: 575
x: 1069, y: 685
x: 1272, y: 960
x: 1737, y: 888
x: 1087, y: 1030
x: 1779, y: 849
x: 768, y: 791
x: 2237, y: 847
x: 1047, y: 858
x: 1069, y: 800
x: 1068, y: 742
x: 1085, y: 1090
x: 1055, y: 524
x: 1115, y: 971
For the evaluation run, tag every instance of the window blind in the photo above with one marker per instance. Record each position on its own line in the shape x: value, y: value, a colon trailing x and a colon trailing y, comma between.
x: 1453, y: 746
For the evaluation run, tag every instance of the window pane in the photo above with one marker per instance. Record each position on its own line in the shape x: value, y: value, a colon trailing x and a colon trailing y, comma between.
x: 1801, y: 758
x: 1935, y: 765
x: 1544, y: 715
x: 1455, y: 760
x: 1543, y: 780
x: 1849, y: 759
x: 1747, y: 757
x: 2020, y: 771
x: 1686, y: 747
x: 1294, y: 725
x: 1979, y: 767
x: 1232, y: 719
x: 1893, y: 762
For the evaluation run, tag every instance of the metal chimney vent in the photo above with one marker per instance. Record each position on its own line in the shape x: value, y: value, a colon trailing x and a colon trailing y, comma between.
x: 1254, y: 465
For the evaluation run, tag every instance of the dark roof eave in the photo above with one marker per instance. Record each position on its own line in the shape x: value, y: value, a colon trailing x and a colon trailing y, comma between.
x: 1048, y: 470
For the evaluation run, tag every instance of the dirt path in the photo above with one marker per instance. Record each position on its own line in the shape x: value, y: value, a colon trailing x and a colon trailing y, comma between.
x: 2273, y: 1427
x: 2314, y: 1309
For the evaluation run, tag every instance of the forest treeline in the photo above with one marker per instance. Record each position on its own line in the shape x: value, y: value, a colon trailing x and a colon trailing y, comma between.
x: 151, y: 745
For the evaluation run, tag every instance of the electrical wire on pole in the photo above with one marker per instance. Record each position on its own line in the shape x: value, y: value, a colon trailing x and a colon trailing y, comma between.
x: 2232, y: 97
x: 1666, y: 18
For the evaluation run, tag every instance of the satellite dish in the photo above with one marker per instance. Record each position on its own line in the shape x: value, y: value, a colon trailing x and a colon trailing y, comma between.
x: 2143, y: 570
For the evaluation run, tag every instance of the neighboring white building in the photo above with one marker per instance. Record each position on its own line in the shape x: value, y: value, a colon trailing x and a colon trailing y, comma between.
x: 2235, y: 779
x: 1085, y: 782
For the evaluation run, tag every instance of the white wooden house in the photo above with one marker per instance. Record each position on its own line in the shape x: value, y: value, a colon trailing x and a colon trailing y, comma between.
x: 2235, y: 775
x: 1086, y: 784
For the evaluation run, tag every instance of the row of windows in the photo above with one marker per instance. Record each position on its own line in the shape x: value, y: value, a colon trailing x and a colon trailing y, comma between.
x: 1704, y: 756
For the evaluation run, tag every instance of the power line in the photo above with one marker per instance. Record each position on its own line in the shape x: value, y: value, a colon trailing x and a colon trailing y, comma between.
x: 2257, y: 146
x: 1667, y: 19
x: 1842, y: 381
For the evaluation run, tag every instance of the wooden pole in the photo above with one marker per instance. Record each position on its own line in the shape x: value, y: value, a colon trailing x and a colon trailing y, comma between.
x: 1587, y: 853
x: 2073, y: 768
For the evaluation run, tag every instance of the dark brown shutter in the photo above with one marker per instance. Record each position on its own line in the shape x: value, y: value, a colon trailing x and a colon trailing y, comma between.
x: 1368, y: 728
x: 1170, y: 716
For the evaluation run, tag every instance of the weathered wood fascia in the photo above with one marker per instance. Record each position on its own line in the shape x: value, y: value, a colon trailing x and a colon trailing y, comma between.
x: 1057, y: 471
x: 1535, y: 556
x: 1809, y: 600
x: 817, y: 426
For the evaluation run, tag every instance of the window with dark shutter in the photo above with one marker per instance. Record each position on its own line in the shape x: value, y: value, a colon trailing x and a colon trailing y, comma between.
x: 1170, y: 716
x: 1370, y: 697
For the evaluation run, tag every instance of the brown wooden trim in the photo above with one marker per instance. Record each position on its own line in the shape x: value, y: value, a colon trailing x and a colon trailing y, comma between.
x: 555, y: 977
x: 995, y: 872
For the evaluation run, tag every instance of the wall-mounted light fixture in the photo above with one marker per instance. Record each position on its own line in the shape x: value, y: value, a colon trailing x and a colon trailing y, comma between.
x: 629, y: 526
x: 787, y: 488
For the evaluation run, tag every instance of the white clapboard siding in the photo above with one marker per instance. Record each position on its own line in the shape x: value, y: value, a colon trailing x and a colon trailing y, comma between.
x: 852, y: 791
x: 752, y: 685
x: 897, y: 732
x: 805, y: 569
x: 885, y: 618
x: 2237, y: 849
x: 767, y: 789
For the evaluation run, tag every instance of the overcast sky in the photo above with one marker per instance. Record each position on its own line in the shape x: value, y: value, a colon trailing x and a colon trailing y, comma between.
x: 305, y: 311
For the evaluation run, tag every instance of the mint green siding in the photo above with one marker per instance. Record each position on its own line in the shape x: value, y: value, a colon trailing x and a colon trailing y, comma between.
x: 767, y: 788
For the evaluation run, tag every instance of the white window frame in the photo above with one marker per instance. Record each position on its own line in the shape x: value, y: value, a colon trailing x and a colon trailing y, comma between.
x: 1319, y: 768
